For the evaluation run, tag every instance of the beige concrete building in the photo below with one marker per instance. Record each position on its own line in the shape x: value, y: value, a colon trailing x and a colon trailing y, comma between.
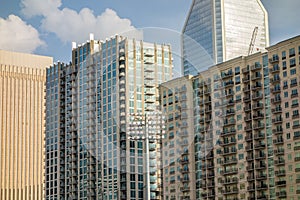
x: 246, y: 128
x: 22, y: 85
x: 178, y: 142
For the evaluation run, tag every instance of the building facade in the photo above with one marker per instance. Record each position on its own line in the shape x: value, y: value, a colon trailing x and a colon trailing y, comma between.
x: 217, y: 31
x: 176, y: 98
x: 22, y: 98
x: 89, y: 152
x: 246, y: 128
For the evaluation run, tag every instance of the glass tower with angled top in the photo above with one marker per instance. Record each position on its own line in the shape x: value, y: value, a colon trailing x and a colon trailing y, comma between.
x: 217, y: 31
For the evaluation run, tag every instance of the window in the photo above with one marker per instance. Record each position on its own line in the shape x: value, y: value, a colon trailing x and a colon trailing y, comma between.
x: 239, y: 117
x: 286, y: 104
x: 240, y: 136
x: 291, y: 52
x: 238, y: 88
x: 292, y: 62
x: 295, y: 103
x: 240, y: 146
x: 283, y: 55
x: 237, y: 70
x: 285, y: 84
x: 283, y: 65
x: 237, y: 80
x: 286, y: 94
x: 241, y: 156
x: 288, y: 136
x: 288, y: 125
x: 294, y: 82
x: 240, y: 127
x: 284, y: 74
x: 287, y: 115
x: 293, y: 71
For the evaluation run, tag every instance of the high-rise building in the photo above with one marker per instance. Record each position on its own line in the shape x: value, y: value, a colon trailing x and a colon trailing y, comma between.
x: 246, y: 126
x: 217, y: 31
x: 178, y: 158
x: 22, y: 133
x: 89, y: 153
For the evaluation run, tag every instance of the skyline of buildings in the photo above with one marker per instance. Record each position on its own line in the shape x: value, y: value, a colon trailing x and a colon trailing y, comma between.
x: 22, y: 98
x: 217, y: 31
x: 118, y: 125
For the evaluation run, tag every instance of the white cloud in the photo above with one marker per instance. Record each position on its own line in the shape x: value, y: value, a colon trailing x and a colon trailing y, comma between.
x: 16, y: 35
x: 37, y: 7
x: 70, y: 25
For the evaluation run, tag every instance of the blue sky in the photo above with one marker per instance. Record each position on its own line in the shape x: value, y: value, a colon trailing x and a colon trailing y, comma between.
x: 48, y: 27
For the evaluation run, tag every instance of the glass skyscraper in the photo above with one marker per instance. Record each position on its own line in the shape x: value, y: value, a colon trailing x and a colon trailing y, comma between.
x: 217, y: 31
x: 88, y: 152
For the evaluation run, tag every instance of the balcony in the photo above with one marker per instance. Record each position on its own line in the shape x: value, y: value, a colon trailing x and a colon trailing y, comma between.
x: 255, y: 67
x: 279, y: 151
x: 259, y: 146
x: 258, y: 106
x: 251, y: 188
x: 261, y: 177
x: 249, y: 148
x: 230, y: 181
x: 259, y: 136
x: 246, y: 79
x: 224, y: 153
x: 259, y: 126
x: 250, y: 178
x: 280, y: 173
x: 260, y: 166
x: 277, y: 131
x: 248, y: 128
x: 260, y: 156
x: 226, y: 75
x: 262, y: 187
x: 226, y: 143
x: 255, y: 77
x: 279, y: 162
x: 245, y: 70
x: 275, y: 90
x: 250, y: 168
x: 275, y: 80
x: 277, y: 110
x: 281, y: 194
x: 249, y: 138
x: 257, y: 96
x: 256, y: 87
x: 276, y: 100
x: 258, y: 116
x: 277, y: 120
x: 274, y: 59
x: 247, y: 98
x: 229, y: 122
x: 230, y: 132
x: 230, y: 191
x: 228, y: 162
x: 274, y: 69
x: 278, y: 141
